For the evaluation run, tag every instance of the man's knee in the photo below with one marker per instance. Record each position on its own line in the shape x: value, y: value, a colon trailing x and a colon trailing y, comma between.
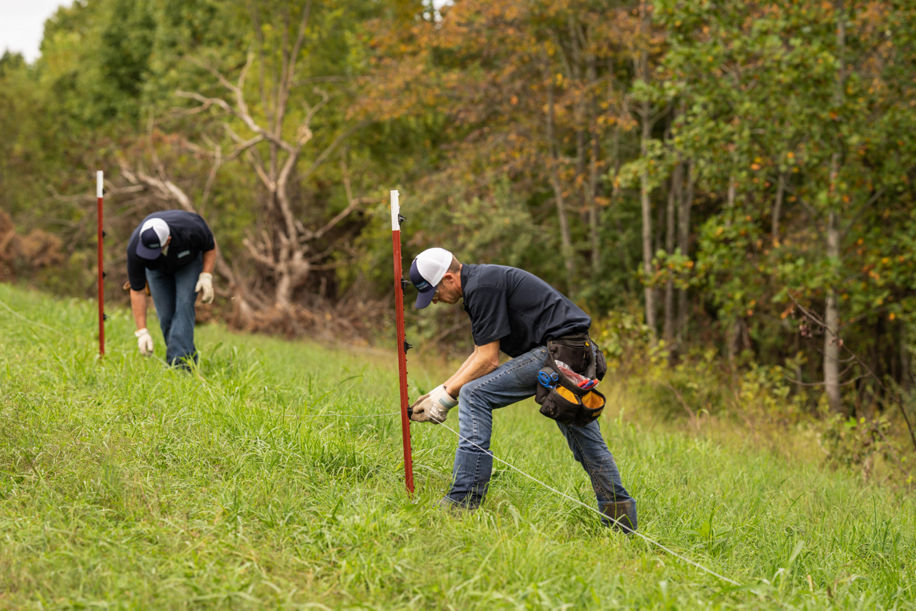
x: 471, y: 394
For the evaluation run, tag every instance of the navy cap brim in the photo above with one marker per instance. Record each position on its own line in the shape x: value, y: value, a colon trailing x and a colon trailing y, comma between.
x: 425, y: 298
x: 147, y: 253
x: 425, y: 290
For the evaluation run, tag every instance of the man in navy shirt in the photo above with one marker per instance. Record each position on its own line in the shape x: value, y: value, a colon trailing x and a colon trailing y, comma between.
x: 172, y: 251
x: 515, y: 312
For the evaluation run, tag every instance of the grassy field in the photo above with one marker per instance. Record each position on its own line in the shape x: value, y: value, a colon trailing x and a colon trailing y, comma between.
x: 273, y: 477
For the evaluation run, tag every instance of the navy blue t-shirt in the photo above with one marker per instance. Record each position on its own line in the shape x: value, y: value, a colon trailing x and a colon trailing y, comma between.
x: 190, y: 237
x: 517, y: 308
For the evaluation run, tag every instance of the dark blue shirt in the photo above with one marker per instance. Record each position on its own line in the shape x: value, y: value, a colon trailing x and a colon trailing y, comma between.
x: 190, y: 237
x: 517, y: 308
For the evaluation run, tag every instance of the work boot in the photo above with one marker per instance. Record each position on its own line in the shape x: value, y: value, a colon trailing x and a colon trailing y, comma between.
x: 622, y: 514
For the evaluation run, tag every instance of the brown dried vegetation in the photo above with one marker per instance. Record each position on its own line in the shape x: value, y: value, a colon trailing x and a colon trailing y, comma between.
x: 21, y: 255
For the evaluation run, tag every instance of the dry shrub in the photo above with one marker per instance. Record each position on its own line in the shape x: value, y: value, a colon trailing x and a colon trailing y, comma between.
x: 23, y: 255
x: 349, y: 322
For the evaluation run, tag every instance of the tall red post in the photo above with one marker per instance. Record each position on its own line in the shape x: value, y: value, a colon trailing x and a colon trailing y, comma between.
x: 99, y: 194
x: 402, y: 341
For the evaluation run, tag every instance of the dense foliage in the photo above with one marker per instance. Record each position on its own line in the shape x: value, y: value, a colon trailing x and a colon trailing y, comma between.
x: 742, y: 173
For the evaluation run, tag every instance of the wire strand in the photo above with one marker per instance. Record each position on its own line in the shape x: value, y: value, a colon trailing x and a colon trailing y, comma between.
x: 339, y: 415
x: 21, y: 317
x: 578, y: 502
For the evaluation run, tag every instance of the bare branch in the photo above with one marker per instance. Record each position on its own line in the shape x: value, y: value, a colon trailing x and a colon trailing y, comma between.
x: 351, y: 206
x: 257, y: 254
x: 205, y: 102
x: 240, y: 109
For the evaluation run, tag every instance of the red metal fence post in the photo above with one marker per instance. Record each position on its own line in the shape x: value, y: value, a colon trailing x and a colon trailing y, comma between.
x: 101, y: 234
x: 402, y: 342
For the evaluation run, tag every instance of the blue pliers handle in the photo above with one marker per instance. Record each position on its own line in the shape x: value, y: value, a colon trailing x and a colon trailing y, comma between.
x: 548, y: 378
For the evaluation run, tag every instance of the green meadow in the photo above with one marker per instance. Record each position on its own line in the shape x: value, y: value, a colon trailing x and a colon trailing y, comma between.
x: 272, y: 476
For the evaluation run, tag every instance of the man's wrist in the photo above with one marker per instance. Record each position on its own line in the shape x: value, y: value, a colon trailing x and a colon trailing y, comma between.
x: 442, y: 397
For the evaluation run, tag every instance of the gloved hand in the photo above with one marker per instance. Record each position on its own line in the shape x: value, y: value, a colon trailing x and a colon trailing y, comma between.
x: 416, y: 403
x: 433, y: 407
x: 205, y: 285
x: 144, y: 341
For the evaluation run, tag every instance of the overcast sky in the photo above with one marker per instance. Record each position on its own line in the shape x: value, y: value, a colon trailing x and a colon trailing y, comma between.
x: 22, y: 23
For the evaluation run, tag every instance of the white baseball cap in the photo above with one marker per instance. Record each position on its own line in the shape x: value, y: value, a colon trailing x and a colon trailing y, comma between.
x: 153, y: 234
x: 426, y: 272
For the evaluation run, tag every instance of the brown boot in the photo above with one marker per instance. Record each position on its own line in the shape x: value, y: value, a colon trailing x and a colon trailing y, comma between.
x: 622, y: 515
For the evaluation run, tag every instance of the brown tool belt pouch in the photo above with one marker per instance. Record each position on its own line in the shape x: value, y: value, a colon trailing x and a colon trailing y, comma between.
x: 563, y: 395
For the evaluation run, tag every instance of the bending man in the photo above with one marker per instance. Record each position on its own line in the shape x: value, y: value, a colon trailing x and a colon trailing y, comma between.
x: 516, y: 312
x: 172, y: 251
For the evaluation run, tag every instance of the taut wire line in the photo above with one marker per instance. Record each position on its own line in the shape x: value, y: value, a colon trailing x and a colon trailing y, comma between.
x: 590, y: 508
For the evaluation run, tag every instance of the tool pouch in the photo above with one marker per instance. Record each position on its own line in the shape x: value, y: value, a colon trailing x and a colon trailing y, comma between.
x: 566, y: 383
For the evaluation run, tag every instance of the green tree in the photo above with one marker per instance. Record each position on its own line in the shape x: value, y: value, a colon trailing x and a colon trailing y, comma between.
x: 790, y: 108
x: 533, y: 109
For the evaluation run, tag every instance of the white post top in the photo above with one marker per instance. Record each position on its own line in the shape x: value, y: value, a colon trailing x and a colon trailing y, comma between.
x: 395, y: 211
x: 98, y: 183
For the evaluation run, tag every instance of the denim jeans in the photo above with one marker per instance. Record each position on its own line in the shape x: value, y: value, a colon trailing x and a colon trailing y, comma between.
x: 174, y: 297
x: 509, y: 383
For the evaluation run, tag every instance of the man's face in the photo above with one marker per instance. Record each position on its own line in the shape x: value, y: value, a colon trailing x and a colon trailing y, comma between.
x: 448, y: 289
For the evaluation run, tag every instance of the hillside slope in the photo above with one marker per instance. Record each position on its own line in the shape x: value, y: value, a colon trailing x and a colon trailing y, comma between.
x: 273, y: 477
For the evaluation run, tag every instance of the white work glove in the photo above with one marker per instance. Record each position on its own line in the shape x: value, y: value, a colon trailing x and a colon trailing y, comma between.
x: 144, y: 341
x: 433, y: 407
x: 205, y: 285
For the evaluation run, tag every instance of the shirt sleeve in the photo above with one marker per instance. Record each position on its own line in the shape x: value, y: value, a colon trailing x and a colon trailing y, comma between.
x: 489, y: 315
x: 203, y: 236
x: 136, y: 271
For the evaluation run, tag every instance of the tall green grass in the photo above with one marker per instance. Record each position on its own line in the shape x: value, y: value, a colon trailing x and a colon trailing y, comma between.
x: 273, y: 476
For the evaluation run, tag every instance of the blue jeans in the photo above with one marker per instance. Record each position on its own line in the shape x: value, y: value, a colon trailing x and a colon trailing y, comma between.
x: 174, y: 297
x: 509, y: 383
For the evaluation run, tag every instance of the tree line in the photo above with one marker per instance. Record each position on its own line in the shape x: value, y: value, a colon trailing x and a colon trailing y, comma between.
x: 741, y: 174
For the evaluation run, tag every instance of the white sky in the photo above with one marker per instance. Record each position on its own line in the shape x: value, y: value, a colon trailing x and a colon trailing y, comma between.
x: 22, y: 23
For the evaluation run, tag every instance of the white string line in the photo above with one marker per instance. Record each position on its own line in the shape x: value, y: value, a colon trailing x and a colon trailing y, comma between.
x: 384, y: 415
x: 31, y: 322
x: 590, y: 508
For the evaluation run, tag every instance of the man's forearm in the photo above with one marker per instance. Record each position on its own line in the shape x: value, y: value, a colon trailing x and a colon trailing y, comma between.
x: 482, y: 361
x: 476, y: 369
x: 209, y: 261
x: 138, y: 307
x: 467, y: 363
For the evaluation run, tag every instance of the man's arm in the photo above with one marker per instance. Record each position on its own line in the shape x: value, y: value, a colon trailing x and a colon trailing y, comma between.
x: 209, y: 260
x: 434, y: 405
x: 482, y: 361
x: 138, y: 307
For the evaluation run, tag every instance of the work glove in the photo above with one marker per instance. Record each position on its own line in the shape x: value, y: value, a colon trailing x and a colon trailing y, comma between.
x: 205, y: 285
x: 144, y: 341
x: 433, y: 407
